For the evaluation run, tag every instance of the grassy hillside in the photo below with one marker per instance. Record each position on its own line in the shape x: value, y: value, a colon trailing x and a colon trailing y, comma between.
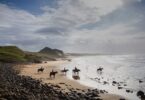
x: 11, y: 54
x: 37, y: 57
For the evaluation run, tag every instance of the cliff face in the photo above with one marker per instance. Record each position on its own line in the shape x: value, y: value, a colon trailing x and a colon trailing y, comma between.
x: 52, y: 52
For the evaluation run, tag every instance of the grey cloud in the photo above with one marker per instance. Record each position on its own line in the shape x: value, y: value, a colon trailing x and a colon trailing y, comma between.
x: 52, y: 31
x: 75, y: 27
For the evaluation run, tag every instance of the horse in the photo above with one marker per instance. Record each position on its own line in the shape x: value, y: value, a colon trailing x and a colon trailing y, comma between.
x: 53, y: 73
x: 40, y: 70
x: 64, y: 71
x: 99, y: 70
x: 76, y: 71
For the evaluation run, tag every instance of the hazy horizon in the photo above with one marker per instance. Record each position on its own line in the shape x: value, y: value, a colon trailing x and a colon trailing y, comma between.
x: 74, y: 26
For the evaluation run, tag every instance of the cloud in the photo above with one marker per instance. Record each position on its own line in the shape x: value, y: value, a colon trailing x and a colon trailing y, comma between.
x: 52, y: 30
x: 76, y: 26
x: 73, y: 13
x: 10, y: 16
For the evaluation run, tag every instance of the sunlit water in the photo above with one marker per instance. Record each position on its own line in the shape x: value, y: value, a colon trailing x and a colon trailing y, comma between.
x: 126, y: 69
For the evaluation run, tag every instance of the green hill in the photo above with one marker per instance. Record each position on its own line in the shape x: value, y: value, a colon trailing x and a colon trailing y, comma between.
x: 11, y: 54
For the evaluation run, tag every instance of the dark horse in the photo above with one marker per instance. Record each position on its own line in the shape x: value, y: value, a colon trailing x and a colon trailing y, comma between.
x: 40, y: 69
x: 76, y: 71
x: 99, y: 70
x: 52, y: 73
x: 64, y: 71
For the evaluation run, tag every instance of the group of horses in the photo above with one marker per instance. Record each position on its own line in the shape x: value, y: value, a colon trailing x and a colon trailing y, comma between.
x: 64, y: 71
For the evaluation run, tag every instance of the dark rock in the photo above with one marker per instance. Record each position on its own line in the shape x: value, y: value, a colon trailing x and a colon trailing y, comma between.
x: 102, y: 91
x: 114, y: 82
x: 99, y: 99
x: 140, y: 81
x: 61, y: 83
x: 77, y: 89
x: 129, y: 91
x: 105, y: 82
x: 140, y: 93
x: 125, y: 84
x: 120, y: 87
x: 122, y: 99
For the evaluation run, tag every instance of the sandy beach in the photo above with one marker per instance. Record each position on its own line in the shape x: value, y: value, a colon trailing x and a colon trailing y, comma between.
x: 31, y: 70
x: 61, y: 80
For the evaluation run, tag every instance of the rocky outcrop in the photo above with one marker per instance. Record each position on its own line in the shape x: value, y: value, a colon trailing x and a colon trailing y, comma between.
x: 52, y: 52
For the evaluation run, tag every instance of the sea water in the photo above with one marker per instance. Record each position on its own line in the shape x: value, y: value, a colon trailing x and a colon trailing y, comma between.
x: 127, y: 70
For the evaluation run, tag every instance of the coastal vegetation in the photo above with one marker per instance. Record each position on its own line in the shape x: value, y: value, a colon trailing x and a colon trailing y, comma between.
x: 13, y: 54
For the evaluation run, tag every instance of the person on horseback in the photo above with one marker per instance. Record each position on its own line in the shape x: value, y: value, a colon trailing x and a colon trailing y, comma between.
x: 52, y: 73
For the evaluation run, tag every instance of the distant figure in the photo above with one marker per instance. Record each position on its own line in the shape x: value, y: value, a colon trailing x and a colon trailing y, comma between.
x: 40, y: 69
x: 76, y: 71
x: 140, y: 81
x: 64, y: 71
x: 99, y: 70
x: 52, y: 73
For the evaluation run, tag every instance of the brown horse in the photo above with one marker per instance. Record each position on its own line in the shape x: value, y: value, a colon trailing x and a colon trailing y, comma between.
x: 64, y: 71
x: 76, y: 71
x: 40, y: 70
x: 52, y: 73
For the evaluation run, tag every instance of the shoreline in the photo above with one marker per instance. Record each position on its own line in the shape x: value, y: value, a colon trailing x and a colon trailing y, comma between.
x: 65, y: 83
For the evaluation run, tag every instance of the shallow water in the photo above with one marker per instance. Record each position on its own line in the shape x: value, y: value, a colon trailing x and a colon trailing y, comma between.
x: 125, y: 69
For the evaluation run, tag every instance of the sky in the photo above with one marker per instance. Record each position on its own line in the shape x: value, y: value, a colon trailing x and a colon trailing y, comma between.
x: 82, y: 26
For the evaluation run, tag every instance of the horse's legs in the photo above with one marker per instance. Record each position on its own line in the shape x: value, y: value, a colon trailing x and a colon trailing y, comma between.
x: 74, y: 73
x: 50, y: 76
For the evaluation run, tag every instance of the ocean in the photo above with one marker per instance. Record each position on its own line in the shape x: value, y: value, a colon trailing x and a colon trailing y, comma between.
x: 125, y: 70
